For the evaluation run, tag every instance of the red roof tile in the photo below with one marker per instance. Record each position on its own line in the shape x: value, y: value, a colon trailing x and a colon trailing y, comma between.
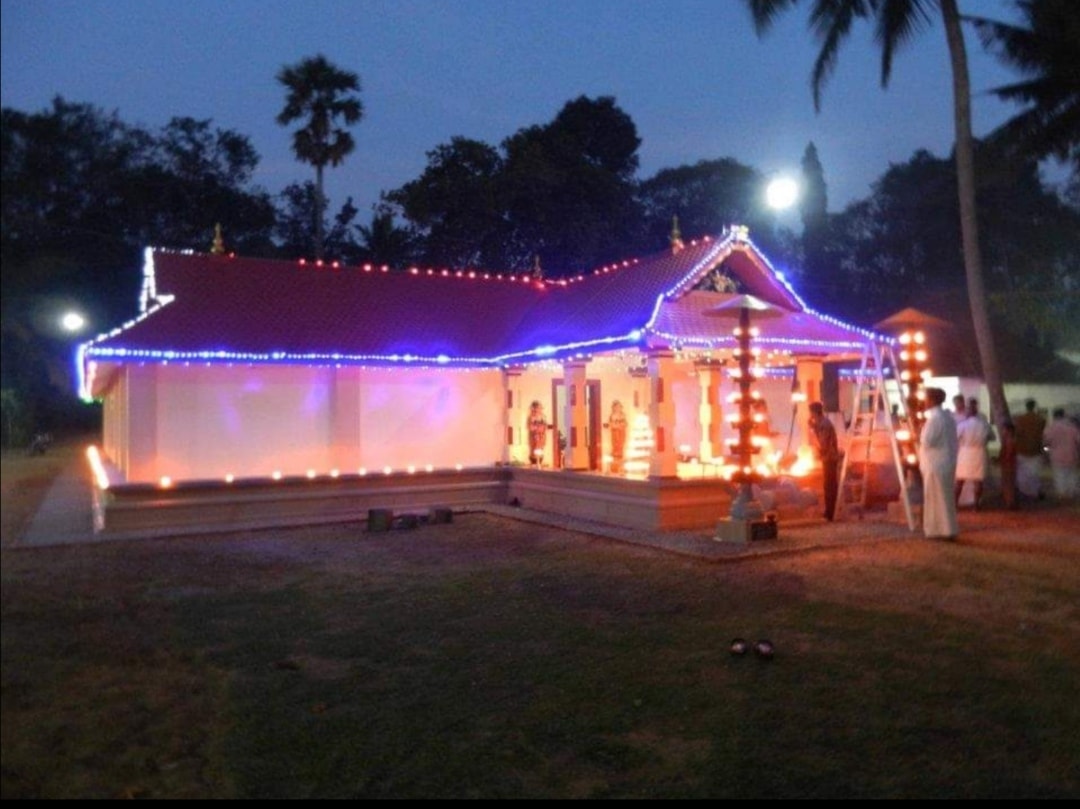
x: 218, y: 308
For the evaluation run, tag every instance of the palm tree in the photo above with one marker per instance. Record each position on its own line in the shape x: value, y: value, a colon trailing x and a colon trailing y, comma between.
x: 1047, y: 53
x: 320, y: 93
x: 895, y: 23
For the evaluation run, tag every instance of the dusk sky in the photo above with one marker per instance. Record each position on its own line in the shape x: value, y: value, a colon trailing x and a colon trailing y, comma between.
x: 692, y: 74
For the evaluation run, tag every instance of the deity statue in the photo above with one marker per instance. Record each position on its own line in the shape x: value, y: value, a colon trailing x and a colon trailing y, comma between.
x: 617, y: 425
x: 537, y: 424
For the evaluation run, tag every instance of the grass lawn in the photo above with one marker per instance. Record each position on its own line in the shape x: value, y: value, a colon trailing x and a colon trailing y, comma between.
x: 490, y: 658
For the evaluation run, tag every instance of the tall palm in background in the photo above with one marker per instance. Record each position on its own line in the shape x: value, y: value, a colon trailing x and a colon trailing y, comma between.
x: 895, y: 23
x: 320, y: 94
x: 1047, y: 53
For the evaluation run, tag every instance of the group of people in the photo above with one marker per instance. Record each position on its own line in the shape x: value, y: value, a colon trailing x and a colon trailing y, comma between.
x: 1058, y: 440
x: 953, y: 451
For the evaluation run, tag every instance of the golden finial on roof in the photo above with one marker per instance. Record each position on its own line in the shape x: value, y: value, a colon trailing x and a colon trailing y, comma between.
x: 676, y: 236
x: 218, y: 247
x: 537, y: 271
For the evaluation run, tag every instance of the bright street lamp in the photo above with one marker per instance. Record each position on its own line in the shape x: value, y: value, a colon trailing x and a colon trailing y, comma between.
x: 781, y: 193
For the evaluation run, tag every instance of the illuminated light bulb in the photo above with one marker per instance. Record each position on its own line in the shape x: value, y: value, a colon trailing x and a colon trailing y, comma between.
x: 905, y: 338
x: 429, y: 468
x: 386, y: 470
x: 361, y: 471
x: 229, y: 478
x: 165, y: 482
x: 905, y: 355
x: 920, y: 355
x: 458, y: 467
x: 311, y: 474
x: 276, y: 474
x: 410, y: 469
x: 903, y: 435
x: 905, y: 376
x: 920, y: 338
x: 912, y: 459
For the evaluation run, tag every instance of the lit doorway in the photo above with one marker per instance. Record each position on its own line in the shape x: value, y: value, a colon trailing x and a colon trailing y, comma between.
x: 593, y: 423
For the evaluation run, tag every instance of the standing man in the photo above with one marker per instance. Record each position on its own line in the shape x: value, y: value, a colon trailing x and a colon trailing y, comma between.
x: 973, y: 435
x: 1062, y: 439
x: 959, y: 408
x: 937, y: 464
x: 828, y: 452
x: 1029, y: 450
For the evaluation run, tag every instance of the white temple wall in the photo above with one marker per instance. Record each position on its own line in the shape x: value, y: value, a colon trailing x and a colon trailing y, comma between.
x: 207, y: 422
x: 422, y: 416
x: 243, y: 420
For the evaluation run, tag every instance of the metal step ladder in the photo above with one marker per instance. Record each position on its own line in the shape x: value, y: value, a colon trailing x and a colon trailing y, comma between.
x: 878, y: 390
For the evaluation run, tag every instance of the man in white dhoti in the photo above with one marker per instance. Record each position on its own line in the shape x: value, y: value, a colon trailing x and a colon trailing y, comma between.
x: 937, y: 464
x: 973, y: 434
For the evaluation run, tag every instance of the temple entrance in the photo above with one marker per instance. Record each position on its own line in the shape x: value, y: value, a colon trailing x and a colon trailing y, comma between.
x: 593, y: 424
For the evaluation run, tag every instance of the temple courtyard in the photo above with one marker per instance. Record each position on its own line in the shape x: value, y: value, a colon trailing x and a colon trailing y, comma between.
x: 503, y: 655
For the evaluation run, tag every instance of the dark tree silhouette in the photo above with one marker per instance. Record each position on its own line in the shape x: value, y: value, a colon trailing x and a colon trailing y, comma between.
x: 1047, y: 54
x: 320, y: 94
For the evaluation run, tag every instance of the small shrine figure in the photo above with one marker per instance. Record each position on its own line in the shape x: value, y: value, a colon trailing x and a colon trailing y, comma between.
x: 617, y: 424
x: 538, y: 426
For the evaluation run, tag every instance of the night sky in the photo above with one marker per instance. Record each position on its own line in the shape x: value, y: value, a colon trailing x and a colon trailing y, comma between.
x: 693, y: 75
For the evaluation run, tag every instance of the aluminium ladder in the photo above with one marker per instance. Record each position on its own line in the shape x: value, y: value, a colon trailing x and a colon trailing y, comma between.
x: 878, y: 386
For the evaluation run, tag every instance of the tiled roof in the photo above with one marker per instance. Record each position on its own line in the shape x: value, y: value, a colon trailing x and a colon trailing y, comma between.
x: 222, y: 308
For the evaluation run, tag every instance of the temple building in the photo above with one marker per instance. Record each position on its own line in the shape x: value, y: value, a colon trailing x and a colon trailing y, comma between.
x: 450, y: 386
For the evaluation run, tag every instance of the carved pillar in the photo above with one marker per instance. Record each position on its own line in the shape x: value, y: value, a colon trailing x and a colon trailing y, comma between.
x: 576, y: 417
x: 664, y: 460
x: 710, y: 413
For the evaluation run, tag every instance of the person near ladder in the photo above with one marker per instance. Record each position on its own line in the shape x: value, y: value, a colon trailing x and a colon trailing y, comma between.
x: 938, y: 449
x: 828, y: 452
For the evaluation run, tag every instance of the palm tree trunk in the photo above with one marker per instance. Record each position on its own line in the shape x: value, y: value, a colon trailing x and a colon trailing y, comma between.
x: 969, y: 225
x: 320, y: 204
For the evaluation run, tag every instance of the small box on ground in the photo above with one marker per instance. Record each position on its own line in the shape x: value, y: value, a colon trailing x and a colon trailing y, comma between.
x: 440, y: 514
x: 380, y: 519
x: 744, y: 531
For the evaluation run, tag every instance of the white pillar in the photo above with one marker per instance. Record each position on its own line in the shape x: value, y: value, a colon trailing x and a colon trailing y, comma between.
x: 710, y: 413
x: 515, y: 418
x: 810, y: 372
